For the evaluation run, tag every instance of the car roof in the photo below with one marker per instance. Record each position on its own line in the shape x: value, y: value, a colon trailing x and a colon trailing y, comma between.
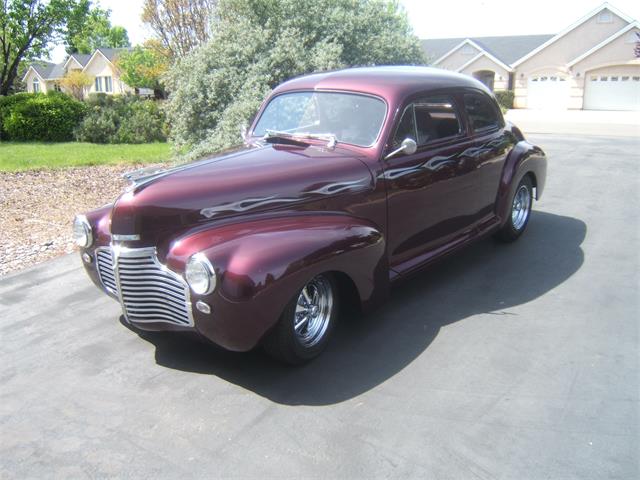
x: 390, y: 82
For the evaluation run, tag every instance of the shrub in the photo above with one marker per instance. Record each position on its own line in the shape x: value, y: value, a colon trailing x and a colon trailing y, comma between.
x: 257, y: 44
x: 122, y: 119
x: 45, y: 118
x: 6, y: 107
x: 505, y: 98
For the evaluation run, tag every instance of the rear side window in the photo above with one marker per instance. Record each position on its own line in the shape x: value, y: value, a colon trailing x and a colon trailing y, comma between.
x: 436, y: 119
x: 481, y: 111
x: 427, y: 120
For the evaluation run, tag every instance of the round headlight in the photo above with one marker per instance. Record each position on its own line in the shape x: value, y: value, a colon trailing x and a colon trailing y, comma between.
x: 82, y: 232
x: 201, y: 276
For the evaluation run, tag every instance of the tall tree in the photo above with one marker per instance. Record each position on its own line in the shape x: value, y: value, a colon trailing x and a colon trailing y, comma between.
x: 257, y: 44
x: 27, y: 27
x: 89, y: 27
x: 143, y: 68
x: 180, y: 25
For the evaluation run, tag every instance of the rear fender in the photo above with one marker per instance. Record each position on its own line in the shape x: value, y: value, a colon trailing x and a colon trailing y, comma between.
x: 523, y: 159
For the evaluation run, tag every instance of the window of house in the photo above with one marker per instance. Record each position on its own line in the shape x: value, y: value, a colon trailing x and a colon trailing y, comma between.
x: 36, y: 85
x: 605, y: 17
x: 594, y: 78
x: 108, y: 86
x: 427, y: 120
x: 481, y: 111
x: 56, y: 87
x: 636, y: 79
x: 614, y: 79
x: 625, y: 78
x: 98, y: 84
x: 603, y: 79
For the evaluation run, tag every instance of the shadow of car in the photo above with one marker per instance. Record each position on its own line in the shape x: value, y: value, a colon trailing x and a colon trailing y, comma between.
x: 367, y: 350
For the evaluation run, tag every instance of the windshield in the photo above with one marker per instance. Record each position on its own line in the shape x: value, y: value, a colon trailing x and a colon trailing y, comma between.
x: 350, y: 118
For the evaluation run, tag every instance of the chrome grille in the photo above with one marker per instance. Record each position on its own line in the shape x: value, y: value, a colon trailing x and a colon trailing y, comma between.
x: 104, y: 262
x: 148, y: 290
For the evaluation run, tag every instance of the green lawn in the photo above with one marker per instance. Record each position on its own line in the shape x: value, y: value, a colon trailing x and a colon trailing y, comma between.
x: 16, y: 156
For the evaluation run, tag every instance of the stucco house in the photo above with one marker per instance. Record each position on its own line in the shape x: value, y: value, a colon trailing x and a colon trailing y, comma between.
x: 45, y: 76
x: 592, y: 64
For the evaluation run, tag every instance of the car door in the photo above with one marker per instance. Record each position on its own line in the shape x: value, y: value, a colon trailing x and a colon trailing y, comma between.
x: 485, y: 158
x: 427, y: 204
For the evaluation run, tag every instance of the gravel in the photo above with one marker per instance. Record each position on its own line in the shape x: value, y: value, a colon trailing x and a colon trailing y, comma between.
x: 37, y: 210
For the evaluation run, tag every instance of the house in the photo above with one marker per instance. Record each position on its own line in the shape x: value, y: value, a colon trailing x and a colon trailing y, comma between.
x: 45, y: 76
x: 593, y: 64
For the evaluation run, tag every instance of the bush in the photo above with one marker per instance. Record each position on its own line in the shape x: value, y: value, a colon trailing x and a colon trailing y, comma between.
x: 122, y: 119
x: 6, y: 107
x: 505, y: 98
x: 257, y: 44
x: 37, y: 117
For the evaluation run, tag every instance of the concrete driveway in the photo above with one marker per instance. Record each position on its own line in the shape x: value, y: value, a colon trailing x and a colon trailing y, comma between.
x: 510, y: 362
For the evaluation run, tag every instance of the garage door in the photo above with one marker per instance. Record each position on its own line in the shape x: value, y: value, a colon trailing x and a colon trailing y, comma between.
x: 549, y: 92
x: 612, y: 92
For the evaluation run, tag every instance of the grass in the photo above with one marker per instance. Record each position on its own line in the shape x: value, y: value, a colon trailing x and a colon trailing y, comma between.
x: 15, y: 157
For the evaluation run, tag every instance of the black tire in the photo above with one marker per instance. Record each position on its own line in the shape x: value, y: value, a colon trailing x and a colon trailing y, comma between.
x: 519, y: 213
x: 291, y: 345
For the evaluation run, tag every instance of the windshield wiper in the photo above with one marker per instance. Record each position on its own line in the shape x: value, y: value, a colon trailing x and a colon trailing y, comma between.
x: 330, y: 138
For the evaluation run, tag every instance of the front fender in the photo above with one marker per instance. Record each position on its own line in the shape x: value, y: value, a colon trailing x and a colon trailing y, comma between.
x: 261, y: 265
x: 524, y: 158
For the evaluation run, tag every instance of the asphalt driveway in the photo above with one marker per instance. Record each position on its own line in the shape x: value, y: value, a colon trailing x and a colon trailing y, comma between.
x: 511, y: 362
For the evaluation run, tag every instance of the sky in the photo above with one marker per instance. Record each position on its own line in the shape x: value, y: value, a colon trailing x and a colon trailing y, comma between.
x: 435, y: 19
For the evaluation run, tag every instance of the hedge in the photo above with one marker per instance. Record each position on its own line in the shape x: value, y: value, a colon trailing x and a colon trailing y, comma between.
x: 505, y: 98
x: 38, y: 117
x: 122, y: 119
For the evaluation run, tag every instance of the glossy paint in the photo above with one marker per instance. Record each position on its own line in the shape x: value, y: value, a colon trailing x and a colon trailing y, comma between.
x: 270, y: 217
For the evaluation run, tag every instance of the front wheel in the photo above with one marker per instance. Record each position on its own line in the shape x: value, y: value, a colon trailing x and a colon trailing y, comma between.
x: 520, y: 212
x: 306, y: 323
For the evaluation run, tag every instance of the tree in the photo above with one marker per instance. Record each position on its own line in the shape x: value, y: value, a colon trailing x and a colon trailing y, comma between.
x: 143, y: 68
x: 89, y: 27
x: 257, y: 44
x: 76, y: 81
x: 27, y: 27
x: 180, y: 25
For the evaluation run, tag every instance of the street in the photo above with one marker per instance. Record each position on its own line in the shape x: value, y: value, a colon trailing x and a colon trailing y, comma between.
x: 506, y: 361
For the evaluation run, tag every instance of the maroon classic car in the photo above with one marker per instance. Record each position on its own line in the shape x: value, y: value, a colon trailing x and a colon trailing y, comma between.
x: 347, y: 182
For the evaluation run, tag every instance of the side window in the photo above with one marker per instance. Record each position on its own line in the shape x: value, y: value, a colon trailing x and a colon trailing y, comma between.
x: 481, y: 111
x: 435, y: 119
x: 428, y: 119
x: 406, y: 127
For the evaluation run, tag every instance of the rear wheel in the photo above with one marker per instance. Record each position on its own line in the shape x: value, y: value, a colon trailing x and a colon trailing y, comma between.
x: 306, y: 323
x: 520, y: 212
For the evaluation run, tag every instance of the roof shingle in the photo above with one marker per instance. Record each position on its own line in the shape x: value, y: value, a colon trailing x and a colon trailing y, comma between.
x: 507, y: 49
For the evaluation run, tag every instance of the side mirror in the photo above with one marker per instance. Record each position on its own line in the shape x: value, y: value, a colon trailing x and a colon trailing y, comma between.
x: 408, y: 147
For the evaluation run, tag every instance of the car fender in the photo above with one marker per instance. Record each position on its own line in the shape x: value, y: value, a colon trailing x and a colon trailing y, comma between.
x: 524, y: 158
x: 262, y: 263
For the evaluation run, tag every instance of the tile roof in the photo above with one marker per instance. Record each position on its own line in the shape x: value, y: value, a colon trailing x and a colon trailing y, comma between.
x: 43, y: 68
x: 112, y: 53
x: 507, y: 49
x: 53, y: 71
x: 81, y: 58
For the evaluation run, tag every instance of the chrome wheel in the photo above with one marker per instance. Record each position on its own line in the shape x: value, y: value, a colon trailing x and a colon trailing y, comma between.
x: 521, y: 207
x: 313, y: 311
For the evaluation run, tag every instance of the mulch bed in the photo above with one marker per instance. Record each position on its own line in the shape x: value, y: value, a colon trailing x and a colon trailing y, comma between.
x: 37, y: 210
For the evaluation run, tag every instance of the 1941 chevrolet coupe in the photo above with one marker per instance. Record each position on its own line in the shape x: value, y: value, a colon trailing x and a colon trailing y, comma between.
x: 347, y: 182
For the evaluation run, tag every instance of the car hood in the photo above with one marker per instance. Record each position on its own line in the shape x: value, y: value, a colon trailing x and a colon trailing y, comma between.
x: 246, y: 180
